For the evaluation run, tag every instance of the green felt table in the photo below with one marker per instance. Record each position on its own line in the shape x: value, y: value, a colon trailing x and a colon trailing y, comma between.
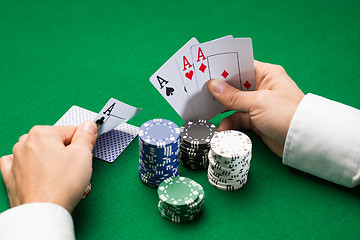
x: 55, y: 54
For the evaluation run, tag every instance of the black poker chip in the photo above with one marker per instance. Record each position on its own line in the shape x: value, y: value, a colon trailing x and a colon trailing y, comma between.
x: 195, y: 137
x: 197, y: 132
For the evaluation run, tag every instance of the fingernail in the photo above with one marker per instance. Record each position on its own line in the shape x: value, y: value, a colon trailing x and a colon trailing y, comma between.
x: 217, y: 85
x: 89, y: 126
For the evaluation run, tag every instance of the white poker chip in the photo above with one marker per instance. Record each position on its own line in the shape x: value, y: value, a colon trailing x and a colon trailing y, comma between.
x: 230, y: 144
x: 229, y: 160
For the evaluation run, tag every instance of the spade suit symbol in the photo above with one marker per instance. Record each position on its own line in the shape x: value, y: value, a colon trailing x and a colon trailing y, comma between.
x: 169, y: 91
x: 100, y: 121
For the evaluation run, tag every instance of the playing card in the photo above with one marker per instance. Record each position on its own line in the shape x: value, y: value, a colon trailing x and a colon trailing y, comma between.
x: 109, y: 145
x: 230, y: 60
x: 168, y: 81
x: 185, y: 64
x: 113, y: 114
x: 222, y: 38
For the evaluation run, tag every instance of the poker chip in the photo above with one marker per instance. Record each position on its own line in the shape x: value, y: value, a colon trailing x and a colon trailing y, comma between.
x: 159, y: 142
x: 159, y: 133
x: 195, y: 137
x: 87, y: 191
x: 230, y: 145
x: 229, y: 160
x: 181, y: 199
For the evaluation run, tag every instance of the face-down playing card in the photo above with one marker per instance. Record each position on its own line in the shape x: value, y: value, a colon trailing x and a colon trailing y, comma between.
x: 230, y: 60
x: 109, y: 145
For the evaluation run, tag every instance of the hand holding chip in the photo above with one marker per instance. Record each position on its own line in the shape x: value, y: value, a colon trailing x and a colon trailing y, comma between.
x: 268, y: 111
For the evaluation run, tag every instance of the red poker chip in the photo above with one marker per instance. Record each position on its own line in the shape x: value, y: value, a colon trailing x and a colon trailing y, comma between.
x: 87, y: 191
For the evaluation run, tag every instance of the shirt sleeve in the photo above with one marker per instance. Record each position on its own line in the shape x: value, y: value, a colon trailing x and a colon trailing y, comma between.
x: 37, y: 221
x: 324, y: 140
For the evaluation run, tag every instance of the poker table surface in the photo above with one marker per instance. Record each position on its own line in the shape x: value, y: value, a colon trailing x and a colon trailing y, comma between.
x: 56, y: 54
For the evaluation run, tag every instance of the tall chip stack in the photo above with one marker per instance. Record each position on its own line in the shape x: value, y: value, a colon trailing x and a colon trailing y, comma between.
x: 195, y: 137
x: 229, y: 160
x: 158, y: 151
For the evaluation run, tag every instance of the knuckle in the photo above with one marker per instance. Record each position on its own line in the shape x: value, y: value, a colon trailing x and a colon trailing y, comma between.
x: 271, y: 71
x: 39, y: 132
x: 17, y: 147
x: 279, y: 68
x: 23, y: 137
x: 266, y: 72
x: 35, y: 130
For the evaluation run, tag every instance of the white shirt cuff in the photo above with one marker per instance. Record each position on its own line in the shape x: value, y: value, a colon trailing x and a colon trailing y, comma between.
x: 37, y: 221
x: 324, y: 140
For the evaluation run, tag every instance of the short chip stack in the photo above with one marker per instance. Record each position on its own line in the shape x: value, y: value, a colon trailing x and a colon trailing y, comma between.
x: 229, y: 160
x: 86, y: 191
x: 195, y: 139
x: 181, y: 199
x: 158, y: 151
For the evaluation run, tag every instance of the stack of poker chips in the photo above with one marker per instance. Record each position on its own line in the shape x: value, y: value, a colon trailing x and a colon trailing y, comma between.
x: 195, y: 137
x: 181, y: 199
x: 158, y: 151
x: 229, y: 160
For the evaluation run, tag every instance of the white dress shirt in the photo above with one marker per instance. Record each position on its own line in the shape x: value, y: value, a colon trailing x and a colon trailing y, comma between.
x: 324, y: 140
x: 38, y: 221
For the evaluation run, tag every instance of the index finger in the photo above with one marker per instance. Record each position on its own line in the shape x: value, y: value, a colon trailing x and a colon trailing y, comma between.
x: 62, y: 134
x: 261, y: 71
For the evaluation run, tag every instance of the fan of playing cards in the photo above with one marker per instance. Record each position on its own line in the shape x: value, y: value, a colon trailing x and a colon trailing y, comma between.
x: 182, y: 80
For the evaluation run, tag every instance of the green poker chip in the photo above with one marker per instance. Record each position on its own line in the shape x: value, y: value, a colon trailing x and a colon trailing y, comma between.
x: 181, y: 199
x: 178, y: 191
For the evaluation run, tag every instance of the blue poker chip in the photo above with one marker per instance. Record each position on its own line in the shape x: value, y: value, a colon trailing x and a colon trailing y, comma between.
x: 171, y: 147
x: 169, y: 151
x: 159, y: 133
x: 156, y: 159
x: 159, y: 146
x: 163, y: 167
x: 160, y: 171
x: 148, y: 182
x: 154, y: 181
x: 159, y: 167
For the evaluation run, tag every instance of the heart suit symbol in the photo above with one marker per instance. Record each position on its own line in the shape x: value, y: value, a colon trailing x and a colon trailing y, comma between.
x: 189, y: 74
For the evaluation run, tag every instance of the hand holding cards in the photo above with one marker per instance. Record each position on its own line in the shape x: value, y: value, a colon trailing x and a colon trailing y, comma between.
x: 113, y: 116
x: 182, y: 80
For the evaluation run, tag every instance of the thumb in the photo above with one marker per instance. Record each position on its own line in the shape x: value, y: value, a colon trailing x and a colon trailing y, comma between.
x: 230, y: 97
x: 85, y: 135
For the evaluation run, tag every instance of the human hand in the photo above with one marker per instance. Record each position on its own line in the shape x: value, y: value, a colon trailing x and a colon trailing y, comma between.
x: 50, y: 164
x: 268, y: 111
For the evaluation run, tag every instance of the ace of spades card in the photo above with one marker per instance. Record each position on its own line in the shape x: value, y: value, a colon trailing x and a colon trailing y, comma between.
x: 168, y: 81
x: 113, y: 114
x: 108, y: 146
